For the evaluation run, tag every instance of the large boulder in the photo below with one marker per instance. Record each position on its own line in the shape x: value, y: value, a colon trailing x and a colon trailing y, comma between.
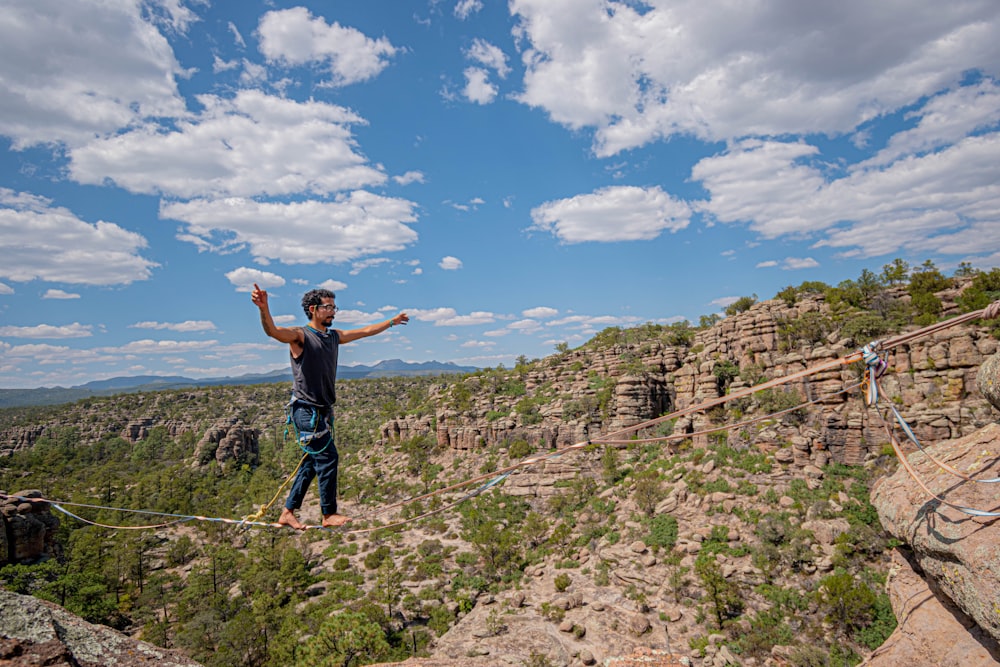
x: 931, y: 630
x: 228, y: 440
x: 988, y: 380
x: 35, y: 632
x: 958, y: 553
x: 27, y: 528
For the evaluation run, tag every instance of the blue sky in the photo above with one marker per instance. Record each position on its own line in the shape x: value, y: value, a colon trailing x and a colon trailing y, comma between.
x: 513, y: 175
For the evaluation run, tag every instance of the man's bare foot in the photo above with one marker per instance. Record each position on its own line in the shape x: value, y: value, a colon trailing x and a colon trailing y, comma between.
x: 334, y: 520
x: 288, y: 518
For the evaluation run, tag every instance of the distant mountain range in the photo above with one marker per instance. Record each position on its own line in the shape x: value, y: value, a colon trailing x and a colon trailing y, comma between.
x: 10, y: 398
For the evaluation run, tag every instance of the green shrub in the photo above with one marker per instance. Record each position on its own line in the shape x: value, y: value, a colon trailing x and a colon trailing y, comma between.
x: 662, y: 532
x: 519, y: 449
x: 767, y: 630
x: 741, y: 305
x: 809, y: 655
x: 374, y: 559
x: 984, y: 289
x: 725, y: 371
x: 806, y: 329
x: 679, y: 334
x: 552, y: 612
x: 698, y: 644
x: 529, y: 409
x: 772, y: 401
x: 883, y: 622
x: 927, y: 306
x: 648, y: 491
x: 789, y: 295
x: 440, y: 619
x: 848, y: 603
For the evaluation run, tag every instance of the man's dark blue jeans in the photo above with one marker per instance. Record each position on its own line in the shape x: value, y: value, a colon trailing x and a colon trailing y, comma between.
x: 315, y: 429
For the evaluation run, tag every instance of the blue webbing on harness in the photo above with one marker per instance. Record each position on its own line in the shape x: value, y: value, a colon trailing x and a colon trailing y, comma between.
x: 305, y: 438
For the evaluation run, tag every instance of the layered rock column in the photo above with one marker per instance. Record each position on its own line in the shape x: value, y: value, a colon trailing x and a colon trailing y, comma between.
x: 28, y: 529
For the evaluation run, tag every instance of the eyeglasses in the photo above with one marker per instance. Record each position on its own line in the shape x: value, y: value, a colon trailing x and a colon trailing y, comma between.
x: 327, y: 306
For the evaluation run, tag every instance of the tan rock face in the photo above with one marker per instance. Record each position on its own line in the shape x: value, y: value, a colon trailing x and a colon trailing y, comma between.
x: 19, y: 437
x: 988, y: 380
x: 27, y: 529
x: 36, y: 632
x: 931, y: 630
x: 228, y: 440
x: 958, y: 552
x: 590, y: 392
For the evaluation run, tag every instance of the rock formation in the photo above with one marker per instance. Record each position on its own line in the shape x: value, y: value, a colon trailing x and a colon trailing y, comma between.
x: 27, y: 529
x: 228, y: 440
x: 595, y: 390
x: 959, y: 552
x: 132, y: 417
x: 956, y: 551
x: 581, y: 394
x: 35, y: 632
x: 932, y: 630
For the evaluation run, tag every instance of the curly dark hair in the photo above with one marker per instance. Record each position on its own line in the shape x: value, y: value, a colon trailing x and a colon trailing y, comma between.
x: 314, y: 297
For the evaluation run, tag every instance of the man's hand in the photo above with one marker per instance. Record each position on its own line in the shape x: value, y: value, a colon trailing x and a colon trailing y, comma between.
x: 293, y: 336
x: 259, y: 297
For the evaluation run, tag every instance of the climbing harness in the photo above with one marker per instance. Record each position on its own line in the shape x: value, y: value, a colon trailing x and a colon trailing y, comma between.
x: 305, y: 438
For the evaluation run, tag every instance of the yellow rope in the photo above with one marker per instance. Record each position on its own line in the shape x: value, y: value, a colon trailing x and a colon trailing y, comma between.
x: 263, y: 510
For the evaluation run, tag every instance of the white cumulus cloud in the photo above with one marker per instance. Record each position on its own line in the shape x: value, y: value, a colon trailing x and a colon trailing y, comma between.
x: 719, y: 70
x: 466, y: 8
x: 252, y: 144
x: 294, y: 37
x: 244, y: 279
x: 186, y: 326
x: 540, y: 312
x: 75, y: 330
x: 40, y: 241
x: 617, y: 213
x: 478, y: 88
x: 70, y: 70
x: 59, y: 294
x: 308, y: 232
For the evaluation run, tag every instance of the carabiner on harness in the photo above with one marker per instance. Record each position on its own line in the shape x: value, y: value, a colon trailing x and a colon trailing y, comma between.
x: 305, y: 438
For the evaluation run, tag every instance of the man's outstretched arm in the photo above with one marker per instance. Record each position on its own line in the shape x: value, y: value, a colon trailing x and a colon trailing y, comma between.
x: 372, y: 329
x: 289, y: 335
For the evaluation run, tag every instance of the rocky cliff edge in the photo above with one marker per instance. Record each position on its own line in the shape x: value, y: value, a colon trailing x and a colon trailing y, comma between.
x: 36, y: 632
x: 945, y: 581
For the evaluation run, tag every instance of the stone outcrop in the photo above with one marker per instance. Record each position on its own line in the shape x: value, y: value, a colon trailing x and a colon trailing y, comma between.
x: 20, y: 437
x: 595, y: 390
x: 932, y: 630
x: 132, y: 417
x: 27, y: 528
x: 228, y: 440
x: 959, y: 553
x: 988, y: 380
x: 35, y: 632
x: 16, y: 438
x: 948, y: 611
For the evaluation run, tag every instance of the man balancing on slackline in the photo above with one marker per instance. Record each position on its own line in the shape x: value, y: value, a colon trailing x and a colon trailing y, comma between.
x: 313, y: 351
